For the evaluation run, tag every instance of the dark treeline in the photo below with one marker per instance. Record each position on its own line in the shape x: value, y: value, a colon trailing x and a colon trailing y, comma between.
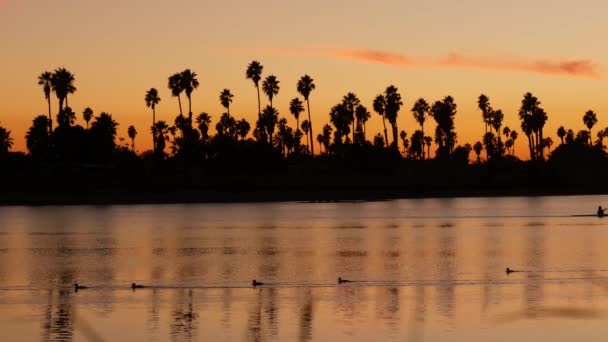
x: 201, y: 158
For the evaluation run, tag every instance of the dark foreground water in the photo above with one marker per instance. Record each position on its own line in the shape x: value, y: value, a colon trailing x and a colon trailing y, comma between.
x: 422, y: 270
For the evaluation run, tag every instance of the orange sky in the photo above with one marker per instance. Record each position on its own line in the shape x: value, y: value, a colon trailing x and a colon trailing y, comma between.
x: 118, y: 50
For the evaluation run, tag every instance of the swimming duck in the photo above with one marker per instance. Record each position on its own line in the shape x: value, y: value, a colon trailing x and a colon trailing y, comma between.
x: 508, y: 270
x: 78, y: 287
x: 255, y: 283
x: 135, y: 286
x: 340, y: 280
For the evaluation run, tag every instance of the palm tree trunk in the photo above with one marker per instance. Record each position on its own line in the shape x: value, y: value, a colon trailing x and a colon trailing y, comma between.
x: 312, y: 145
x: 395, y: 135
x: 259, y: 108
x: 48, y: 98
x: 385, y: 133
x: 66, y: 101
x: 190, y: 110
x: 531, y: 146
x: 153, y: 124
x: 179, y: 101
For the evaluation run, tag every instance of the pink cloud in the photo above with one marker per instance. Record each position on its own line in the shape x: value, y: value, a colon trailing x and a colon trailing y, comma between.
x: 584, y: 68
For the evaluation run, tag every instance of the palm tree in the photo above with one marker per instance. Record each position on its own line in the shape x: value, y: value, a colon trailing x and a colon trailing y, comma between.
x: 350, y: 102
x: 320, y: 141
x: 203, y: 120
x: 379, y: 107
x: 44, y: 79
x: 305, y: 86
x: 254, y: 73
x: 362, y: 115
x: 6, y: 142
x: 296, y: 106
x: 420, y: 110
x: 87, y: 115
x: 561, y: 133
x: 270, y: 117
x: 189, y: 83
x: 478, y: 147
x: 513, y: 138
x: 152, y: 100
x: 177, y: 86
x: 132, y: 133
x: 226, y: 99
x: 242, y: 128
x: 270, y: 86
x: 484, y: 105
x: 403, y: 136
x: 306, y: 129
x: 393, y: 104
x: 590, y: 119
x: 428, y: 141
x: 62, y: 83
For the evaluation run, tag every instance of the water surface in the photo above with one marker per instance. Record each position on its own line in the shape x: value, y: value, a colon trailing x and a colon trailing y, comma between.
x: 421, y: 270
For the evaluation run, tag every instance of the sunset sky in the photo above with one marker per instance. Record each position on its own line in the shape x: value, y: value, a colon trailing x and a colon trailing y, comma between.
x: 118, y: 49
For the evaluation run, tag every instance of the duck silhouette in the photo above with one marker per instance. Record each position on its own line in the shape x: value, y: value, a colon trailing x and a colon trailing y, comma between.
x: 341, y: 281
x: 255, y: 283
x: 136, y: 286
x: 509, y: 271
x: 79, y: 287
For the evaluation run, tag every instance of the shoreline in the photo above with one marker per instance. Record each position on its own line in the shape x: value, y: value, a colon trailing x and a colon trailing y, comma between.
x: 268, y: 196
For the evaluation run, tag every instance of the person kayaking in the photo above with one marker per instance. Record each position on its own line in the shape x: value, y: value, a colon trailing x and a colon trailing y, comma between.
x: 600, y: 211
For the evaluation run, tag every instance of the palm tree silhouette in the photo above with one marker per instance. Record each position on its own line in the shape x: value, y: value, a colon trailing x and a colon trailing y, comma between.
x: 296, y: 106
x: 226, y: 99
x: 62, y: 83
x: 561, y: 133
x: 590, y: 119
x: 513, y: 137
x: 305, y: 86
x: 379, y: 107
x: 270, y: 117
x: 350, y: 102
x: 420, y: 110
x: 362, y: 115
x: 44, y: 79
x: 189, y: 83
x: 177, y: 86
x: 270, y: 86
x: 254, y: 73
x: 242, y: 128
x: 203, y: 120
x: 152, y: 100
x: 428, y: 141
x: 483, y: 102
x: 478, y: 147
x: 393, y: 104
x: 306, y: 129
x: 6, y: 142
x: 87, y: 115
x: 132, y: 134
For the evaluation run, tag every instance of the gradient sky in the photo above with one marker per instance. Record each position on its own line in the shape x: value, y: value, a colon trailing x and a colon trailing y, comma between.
x: 119, y: 49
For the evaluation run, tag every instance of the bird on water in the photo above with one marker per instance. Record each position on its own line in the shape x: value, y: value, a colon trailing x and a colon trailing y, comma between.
x: 341, y: 281
x: 136, y: 286
x: 255, y: 283
x: 78, y: 287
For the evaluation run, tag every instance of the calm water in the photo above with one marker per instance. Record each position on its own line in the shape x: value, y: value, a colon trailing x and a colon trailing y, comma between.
x: 422, y: 270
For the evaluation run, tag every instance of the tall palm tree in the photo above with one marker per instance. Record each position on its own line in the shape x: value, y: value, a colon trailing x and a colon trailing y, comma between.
x: 62, y: 83
x: 296, y: 106
x: 226, y: 99
x: 87, y: 115
x: 393, y: 104
x: 152, y: 100
x: 350, y: 102
x: 44, y: 79
x: 254, y: 73
x: 189, y: 83
x: 379, y: 107
x: 590, y: 119
x: 305, y: 86
x: 270, y: 86
x: 483, y: 102
x: 177, y: 86
x: 132, y: 132
x: 362, y: 115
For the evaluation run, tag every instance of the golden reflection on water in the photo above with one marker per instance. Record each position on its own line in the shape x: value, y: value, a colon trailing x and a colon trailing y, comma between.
x: 421, y: 270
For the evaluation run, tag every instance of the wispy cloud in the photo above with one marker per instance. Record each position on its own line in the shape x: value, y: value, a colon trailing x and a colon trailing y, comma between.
x: 585, y: 68
x: 582, y: 68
